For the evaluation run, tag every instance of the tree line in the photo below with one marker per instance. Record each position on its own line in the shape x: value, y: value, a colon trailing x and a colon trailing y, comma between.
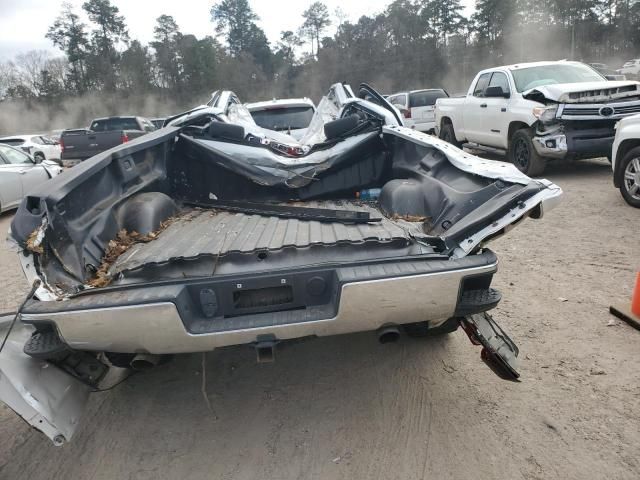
x: 411, y: 44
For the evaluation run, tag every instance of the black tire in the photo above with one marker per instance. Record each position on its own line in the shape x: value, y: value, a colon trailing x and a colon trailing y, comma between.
x: 39, y: 157
x: 421, y: 329
x: 523, y: 154
x: 630, y: 177
x: 448, y: 134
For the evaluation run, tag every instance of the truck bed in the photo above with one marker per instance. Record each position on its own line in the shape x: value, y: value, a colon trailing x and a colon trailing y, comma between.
x: 215, y: 234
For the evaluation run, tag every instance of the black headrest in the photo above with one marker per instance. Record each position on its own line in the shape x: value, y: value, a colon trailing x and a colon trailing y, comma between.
x: 338, y: 128
x: 228, y: 131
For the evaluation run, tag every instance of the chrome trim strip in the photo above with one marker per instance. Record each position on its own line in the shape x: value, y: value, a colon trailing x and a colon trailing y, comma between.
x: 364, y: 306
x: 620, y: 110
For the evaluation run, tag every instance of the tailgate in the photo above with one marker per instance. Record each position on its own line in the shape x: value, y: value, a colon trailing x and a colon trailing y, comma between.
x: 77, y: 145
x: 87, y: 144
x: 102, y: 141
x: 424, y: 113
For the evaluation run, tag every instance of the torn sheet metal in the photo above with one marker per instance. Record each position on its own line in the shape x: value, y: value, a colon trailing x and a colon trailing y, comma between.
x: 52, y: 168
x: 190, y: 115
x: 586, y: 92
x: 327, y: 111
x: 266, y: 167
x: 331, y: 107
x: 43, y: 395
x: 547, y: 199
x: 463, y: 160
x: 27, y: 261
x: 238, y: 113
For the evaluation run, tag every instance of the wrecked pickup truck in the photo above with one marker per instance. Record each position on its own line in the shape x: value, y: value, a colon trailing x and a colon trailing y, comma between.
x: 538, y: 112
x: 208, y: 233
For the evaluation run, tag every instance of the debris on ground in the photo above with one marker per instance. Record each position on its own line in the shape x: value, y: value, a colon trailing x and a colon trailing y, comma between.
x: 410, y: 218
x: 341, y: 458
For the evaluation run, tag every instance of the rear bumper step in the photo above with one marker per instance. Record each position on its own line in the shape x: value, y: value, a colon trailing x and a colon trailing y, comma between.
x: 499, y: 352
x: 477, y: 301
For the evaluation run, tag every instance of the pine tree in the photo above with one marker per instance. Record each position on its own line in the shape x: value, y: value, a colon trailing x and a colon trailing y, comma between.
x: 68, y: 33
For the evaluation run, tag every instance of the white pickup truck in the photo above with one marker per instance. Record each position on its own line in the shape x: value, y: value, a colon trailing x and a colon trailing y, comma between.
x: 539, y: 111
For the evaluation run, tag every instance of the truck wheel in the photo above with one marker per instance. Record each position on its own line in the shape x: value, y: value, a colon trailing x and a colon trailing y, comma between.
x: 421, y: 329
x: 448, y: 135
x: 630, y: 181
x: 523, y: 154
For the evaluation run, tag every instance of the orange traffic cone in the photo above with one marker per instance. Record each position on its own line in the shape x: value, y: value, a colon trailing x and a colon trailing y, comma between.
x: 630, y: 314
x: 635, y: 298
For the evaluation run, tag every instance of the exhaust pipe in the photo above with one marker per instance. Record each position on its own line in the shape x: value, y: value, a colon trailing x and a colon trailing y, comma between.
x: 144, y: 361
x: 388, y: 334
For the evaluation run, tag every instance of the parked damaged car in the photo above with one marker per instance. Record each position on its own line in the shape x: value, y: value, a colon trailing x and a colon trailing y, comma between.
x: 538, y: 112
x: 209, y: 233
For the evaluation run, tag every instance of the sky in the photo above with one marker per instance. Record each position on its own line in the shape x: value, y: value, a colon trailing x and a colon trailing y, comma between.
x: 24, y: 23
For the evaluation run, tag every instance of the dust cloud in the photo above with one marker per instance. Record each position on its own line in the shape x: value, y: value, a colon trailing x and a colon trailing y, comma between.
x: 519, y: 44
x: 460, y: 63
x: 24, y: 116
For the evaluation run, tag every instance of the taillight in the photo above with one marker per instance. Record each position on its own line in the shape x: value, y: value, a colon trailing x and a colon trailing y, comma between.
x: 124, y: 138
x: 61, y: 143
x: 406, y: 113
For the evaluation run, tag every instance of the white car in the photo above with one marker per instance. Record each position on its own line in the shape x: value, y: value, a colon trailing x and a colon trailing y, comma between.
x: 287, y: 115
x: 40, y: 147
x: 632, y: 67
x: 19, y: 174
x: 418, y: 107
x: 625, y: 159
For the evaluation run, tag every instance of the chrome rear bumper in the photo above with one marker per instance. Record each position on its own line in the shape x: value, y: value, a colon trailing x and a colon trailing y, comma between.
x: 157, y: 327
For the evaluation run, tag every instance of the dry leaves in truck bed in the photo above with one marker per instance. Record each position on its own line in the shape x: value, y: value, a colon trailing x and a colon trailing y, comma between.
x: 34, y: 242
x: 124, y: 241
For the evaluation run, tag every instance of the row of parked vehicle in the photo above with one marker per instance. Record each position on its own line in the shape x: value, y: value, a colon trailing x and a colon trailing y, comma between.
x: 532, y: 112
x: 26, y: 161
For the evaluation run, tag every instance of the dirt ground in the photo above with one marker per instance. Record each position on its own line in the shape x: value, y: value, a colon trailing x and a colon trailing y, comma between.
x: 347, y: 407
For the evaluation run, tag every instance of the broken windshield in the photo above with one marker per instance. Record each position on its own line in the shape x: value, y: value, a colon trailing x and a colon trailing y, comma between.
x: 532, y: 77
